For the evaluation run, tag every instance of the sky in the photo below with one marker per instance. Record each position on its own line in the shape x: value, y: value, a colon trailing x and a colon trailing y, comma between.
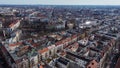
x: 62, y: 2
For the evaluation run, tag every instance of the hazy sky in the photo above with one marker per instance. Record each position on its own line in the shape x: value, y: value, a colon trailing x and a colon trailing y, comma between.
x: 63, y: 2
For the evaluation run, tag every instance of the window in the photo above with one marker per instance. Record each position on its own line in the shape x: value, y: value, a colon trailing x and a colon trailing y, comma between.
x: 92, y: 63
x: 50, y: 52
x: 89, y: 67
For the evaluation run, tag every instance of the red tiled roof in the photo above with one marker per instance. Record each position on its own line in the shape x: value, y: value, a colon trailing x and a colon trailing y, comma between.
x: 15, y: 44
x: 35, y: 44
x: 67, y: 46
x: 65, y: 40
x: 74, y: 36
x: 58, y: 43
x: 68, y: 39
x: 25, y: 47
x: 13, y: 23
x: 43, y: 50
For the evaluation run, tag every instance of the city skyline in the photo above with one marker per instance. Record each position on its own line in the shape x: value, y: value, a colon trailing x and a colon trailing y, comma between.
x: 59, y: 34
x: 61, y: 2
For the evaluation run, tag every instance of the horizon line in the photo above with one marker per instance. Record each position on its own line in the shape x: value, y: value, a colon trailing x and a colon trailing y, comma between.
x: 66, y: 4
